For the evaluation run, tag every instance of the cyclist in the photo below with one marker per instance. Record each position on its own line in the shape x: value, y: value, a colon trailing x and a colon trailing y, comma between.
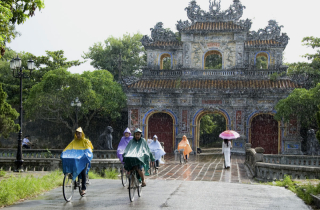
x: 137, y: 155
x: 184, y: 144
x: 123, y: 143
x: 76, y: 156
x: 157, y: 149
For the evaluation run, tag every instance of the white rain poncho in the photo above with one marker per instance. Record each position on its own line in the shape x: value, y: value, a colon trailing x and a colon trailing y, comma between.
x: 155, y: 147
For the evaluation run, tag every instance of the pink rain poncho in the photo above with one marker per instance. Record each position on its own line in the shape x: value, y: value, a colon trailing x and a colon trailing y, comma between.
x: 156, y: 148
x: 123, y: 144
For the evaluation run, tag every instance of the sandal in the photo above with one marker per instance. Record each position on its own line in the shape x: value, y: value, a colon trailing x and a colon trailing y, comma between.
x: 143, y: 184
x: 83, y: 192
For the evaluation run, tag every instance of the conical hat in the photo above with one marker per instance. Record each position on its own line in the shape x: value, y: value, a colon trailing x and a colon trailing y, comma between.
x: 79, y: 130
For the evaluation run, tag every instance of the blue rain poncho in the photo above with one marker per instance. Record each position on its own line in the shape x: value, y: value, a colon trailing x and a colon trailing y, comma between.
x: 76, y: 156
x: 156, y: 148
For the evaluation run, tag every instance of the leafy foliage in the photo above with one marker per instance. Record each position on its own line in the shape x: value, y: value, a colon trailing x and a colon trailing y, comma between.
x: 302, y: 103
x: 214, y: 61
x: 167, y: 63
x: 99, y: 94
x: 211, y: 125
x: 308, y: 72
x: 7, y: 116
x: 15, y: 12
x: 261, y: 62
x: 107, y: 56
x: 53, y: 60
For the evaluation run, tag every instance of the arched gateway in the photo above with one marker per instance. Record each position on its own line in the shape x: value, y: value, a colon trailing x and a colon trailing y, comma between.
x: 238, y: 87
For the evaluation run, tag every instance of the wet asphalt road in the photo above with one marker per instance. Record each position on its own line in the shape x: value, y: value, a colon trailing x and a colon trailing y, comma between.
x: 171, y: 194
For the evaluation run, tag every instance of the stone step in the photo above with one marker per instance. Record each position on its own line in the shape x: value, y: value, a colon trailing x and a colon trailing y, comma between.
x: 211, y: 150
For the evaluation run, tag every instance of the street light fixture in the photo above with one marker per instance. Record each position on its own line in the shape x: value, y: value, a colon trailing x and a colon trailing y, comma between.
x: 77, y: 104
x: 15, y: 65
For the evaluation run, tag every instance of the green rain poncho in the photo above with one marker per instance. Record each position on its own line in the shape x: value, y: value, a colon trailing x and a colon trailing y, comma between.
x: 136, y: 153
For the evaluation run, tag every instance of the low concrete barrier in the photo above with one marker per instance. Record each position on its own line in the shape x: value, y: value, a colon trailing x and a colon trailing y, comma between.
x: 275, y: 167
x: 49, y: 160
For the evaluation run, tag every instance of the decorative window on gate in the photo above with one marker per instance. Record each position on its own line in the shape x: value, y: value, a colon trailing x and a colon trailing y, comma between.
x: 184, y: 121
x: 238, y: 120
x: 293, y: 125
x: 134, y: 118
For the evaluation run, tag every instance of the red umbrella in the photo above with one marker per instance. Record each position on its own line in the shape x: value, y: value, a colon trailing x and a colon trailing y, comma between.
x: 229, y: 134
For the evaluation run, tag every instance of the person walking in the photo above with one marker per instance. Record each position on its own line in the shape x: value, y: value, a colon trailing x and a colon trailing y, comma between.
x: 184, y: 144
x: 226, y: 146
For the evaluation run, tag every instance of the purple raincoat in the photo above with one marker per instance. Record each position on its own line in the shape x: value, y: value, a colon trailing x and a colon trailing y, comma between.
x: 123, y: 144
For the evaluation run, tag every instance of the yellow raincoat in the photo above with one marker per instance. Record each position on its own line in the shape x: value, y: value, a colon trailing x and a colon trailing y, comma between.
x: 184, y: 144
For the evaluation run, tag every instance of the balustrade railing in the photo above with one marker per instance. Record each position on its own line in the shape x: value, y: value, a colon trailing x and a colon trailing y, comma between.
x: 275, y: 167
x: 52, y: 153
x: 189, y: 73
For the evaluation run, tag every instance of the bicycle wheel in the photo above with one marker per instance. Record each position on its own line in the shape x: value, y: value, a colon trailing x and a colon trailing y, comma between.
x: 124, y: 177
x: 132, y: 186
x: 138, y: 185
x: 68, y: 187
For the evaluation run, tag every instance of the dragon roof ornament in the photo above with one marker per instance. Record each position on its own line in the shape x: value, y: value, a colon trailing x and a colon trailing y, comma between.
x: 271, y: 32
x: 159, y: 34
x: 233, y: 13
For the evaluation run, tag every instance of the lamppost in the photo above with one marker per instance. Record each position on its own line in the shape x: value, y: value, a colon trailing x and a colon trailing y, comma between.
x: 77, y: 104
x: 15, y: 65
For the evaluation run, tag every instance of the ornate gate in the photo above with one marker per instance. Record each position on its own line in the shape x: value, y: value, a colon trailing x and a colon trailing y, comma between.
x: 264, y: 133
x: 161, y: 124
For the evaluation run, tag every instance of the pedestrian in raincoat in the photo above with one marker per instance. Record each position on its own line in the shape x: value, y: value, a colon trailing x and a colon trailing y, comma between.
x: 184, y: 144
x: 137, y: 155
x: 226, y: 146
x: 156, y: 148
x: 76, y: 156
x: 123, y: 143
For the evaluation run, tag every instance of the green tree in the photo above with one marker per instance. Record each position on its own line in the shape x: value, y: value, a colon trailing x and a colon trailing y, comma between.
x: 302, y: 103
x: 7, y: 116
x: 318, y: 121
x: 15, y: 12
x: 214, y: 61
x: 51, y: 61
x: 107, y: 55
x: 99, y: 94
x: 261, y: 62
x: 309, y: 72
x: 211, y: 125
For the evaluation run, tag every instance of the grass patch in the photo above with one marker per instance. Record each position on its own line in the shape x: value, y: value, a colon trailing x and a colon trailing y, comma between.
x: 2, y: 173
x: 14, y: 188
x: 302, y: 191
x: 106, y: 174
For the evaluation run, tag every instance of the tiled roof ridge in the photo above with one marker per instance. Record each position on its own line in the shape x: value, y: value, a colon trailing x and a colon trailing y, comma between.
x: 213, y: 84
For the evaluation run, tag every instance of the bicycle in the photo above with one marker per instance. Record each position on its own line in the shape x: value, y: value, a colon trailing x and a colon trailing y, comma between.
x: 153, y: 166
x: 124, y: 176
x: 182, y: 159
x: 69, y: 185
x: 134, y: 184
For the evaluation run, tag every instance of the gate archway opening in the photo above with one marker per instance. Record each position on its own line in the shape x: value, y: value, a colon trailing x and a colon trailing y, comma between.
x: 161, y: 124
x: 197, y: 131
x: 211, y: 125
x: 265, y: 133
x: 213, y: 60
x: 165, y: 61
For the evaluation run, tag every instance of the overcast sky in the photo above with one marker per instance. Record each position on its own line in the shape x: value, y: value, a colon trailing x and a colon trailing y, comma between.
x: 75, y: 25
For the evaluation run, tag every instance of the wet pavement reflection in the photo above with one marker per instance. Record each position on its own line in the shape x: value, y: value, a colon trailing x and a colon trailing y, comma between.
x: 203, y: 168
